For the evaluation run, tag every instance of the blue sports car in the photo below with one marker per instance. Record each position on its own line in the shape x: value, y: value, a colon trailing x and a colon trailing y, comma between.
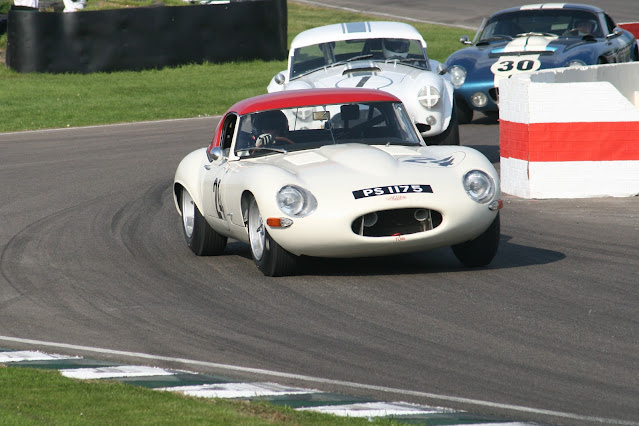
x: 528, y: 38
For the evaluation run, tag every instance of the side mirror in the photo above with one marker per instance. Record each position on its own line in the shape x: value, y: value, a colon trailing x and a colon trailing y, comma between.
x: 214, y: 153
x: 465, y: 41
x: 615, y: 33
x: 280, y: 78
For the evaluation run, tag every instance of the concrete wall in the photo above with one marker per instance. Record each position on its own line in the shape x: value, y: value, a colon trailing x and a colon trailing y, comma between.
x: 146, y: 37
x: 571, y: 133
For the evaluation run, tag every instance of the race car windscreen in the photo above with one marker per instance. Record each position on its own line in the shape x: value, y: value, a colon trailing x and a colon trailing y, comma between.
x: 294, y: 129
x: 549, y: 22
x: 317, y: 56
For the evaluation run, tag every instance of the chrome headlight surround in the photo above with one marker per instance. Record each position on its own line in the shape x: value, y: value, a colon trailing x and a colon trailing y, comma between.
x: 575, y: 63
x: 457, y: 75
x: 479, y: 186
x: 428, y: 96
x: 295, y: 201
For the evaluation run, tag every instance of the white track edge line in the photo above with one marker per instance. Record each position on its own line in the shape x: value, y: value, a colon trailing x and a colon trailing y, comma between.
x: 354, y: 385
x: 382, y: 14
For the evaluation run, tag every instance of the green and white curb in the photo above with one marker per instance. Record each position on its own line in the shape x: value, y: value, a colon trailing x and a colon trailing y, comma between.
x: 208, y: 386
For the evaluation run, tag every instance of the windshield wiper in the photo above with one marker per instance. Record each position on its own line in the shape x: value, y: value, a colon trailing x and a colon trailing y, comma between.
x: 262, y: 148
x: 354, y: 58
x: 535, y: 33
x: 493, y: 38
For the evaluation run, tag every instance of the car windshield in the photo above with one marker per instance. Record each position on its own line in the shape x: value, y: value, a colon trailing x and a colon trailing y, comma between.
x: 310, y: 58
x: 549, y: 22
x: 294, y: 129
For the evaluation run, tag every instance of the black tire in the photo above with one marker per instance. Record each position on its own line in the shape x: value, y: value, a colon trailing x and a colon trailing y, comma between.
x: 450, y: 136
x: 200, y: 237
x: 269, y: 257
x: 481, y: 250
x: 464, y: 112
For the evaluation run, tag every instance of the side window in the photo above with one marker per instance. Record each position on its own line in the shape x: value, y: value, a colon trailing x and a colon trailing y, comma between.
x: 228, y: 130
x: 611, y: 25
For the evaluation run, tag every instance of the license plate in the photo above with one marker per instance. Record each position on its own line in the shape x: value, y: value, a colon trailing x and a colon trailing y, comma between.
x: 393, y: 189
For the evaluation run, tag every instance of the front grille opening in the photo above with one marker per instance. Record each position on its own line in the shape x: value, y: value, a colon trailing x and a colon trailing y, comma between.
x: 387, y: 223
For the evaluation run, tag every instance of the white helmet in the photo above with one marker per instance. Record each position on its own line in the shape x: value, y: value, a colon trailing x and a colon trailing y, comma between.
x: 395, y: 47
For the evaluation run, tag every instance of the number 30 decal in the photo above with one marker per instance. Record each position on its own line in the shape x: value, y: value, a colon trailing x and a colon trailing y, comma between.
x: 508, y: 65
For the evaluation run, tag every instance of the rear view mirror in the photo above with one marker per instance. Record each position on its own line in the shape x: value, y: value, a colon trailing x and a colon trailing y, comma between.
x: 349, y: 112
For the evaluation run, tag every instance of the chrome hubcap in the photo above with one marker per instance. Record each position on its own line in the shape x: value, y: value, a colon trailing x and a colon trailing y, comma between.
x: 257, y: 235
x: 188, y: 213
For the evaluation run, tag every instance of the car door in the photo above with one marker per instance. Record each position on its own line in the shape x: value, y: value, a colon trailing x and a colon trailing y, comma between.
x: 215, y: 174
x: 618, y: 45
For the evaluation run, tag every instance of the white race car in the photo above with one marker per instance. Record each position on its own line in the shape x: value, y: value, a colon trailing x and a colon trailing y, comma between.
x: 334, y: 173
x: 389, y: 56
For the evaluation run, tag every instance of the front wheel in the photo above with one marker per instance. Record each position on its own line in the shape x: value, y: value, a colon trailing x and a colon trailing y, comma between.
x: 200, y: 237
x: 481, y: 250
x: 450, y: 136
x: 269, y: 257
x: 464, y: 112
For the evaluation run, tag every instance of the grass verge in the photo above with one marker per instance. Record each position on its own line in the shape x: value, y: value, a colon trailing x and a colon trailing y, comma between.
x: 32, y: 101
x: 32, y: 396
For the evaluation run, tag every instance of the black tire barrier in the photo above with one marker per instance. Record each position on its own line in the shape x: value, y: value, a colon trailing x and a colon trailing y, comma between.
x: 146, y: 38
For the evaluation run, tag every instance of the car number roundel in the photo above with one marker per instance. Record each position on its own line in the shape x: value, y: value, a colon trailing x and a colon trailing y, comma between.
x: 509, y: 65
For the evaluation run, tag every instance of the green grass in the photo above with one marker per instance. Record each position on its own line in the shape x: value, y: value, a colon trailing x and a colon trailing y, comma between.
x: 41, y: 100
x: 34, y: 397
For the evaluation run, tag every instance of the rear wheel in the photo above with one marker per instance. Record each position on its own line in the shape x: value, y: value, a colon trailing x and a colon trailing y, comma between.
x: 481, y: 250
x: 269, y: 257
x: 200, y: 237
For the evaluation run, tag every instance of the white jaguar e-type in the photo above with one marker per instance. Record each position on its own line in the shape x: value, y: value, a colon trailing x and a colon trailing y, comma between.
x: 334, y: 173
x: 389, y: 56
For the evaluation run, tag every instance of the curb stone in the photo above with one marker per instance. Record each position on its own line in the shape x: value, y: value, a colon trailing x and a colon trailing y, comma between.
x: 209, y: 386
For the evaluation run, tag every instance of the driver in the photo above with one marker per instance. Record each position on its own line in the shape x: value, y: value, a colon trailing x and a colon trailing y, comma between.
x: 269, y: 127
x: 395, y: 48
x: 583, y: 27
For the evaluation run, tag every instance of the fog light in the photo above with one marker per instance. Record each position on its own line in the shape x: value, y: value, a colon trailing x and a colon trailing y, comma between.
x: 431, y: 121
x: 478, y: 99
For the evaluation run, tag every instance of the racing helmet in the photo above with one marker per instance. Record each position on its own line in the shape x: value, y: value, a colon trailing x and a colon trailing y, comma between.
x: 395, y: 47
x: 582, y: 25
x: 263, y: 122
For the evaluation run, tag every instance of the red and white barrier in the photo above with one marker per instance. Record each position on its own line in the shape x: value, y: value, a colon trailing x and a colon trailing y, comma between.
x: 571, y: 132
x: 633, y: 27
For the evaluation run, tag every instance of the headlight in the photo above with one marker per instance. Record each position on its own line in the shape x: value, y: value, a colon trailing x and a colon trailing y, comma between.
x: 296, y: 201
x: 576, y: 63
x: 479, y: 99
x: 457, y: 75
x: 479, y: 186
x: 428, y: 96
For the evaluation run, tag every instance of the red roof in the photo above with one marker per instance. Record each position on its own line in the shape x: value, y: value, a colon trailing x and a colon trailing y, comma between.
x: 309, y: 97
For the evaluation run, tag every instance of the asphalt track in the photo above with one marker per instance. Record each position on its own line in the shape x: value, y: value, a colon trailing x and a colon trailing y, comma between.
x: 464, y: 13
x: 91, y: 255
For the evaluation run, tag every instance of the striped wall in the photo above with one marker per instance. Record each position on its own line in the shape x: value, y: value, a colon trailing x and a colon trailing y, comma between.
x: 571, y: 133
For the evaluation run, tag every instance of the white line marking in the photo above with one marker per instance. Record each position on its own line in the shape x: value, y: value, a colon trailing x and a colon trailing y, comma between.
x: 353, y: 385
x: 94, y: 126
x: 377, y: 409
x: 238, y: 390
x: 18, y: 356
x: 386, y: 15
x: 115, y: 372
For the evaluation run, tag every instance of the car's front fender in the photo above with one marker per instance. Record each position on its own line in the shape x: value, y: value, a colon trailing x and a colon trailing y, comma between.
x: 189, y: 176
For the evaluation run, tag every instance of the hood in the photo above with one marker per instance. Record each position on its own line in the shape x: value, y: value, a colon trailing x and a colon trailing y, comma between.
x: 366, y: 74
x: 544, y: 45
x: 354, y: 165
x: 540, y: 51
